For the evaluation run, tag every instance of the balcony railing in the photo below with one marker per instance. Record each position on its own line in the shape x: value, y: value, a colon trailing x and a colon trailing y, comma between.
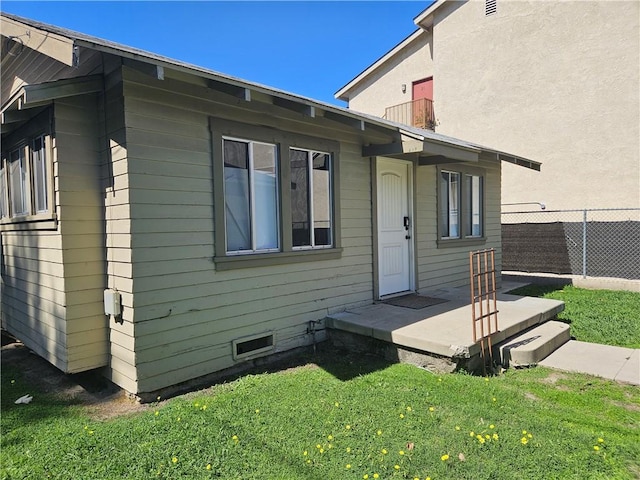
x: 417, y: 113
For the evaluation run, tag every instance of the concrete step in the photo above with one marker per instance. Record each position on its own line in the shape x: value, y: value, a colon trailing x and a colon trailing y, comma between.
x: 533, y: 345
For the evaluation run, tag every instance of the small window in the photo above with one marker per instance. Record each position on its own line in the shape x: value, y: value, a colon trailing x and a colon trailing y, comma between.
x: 490, y: 7
x: 251, y: 196
x: 18, y: 183
x: 450, y: 204
x: 460, y: 205
x: 311, y: 209
x: 474, y: 205
x: 39, y: 168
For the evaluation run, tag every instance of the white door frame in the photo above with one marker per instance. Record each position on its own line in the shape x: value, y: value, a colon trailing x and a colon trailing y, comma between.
x: 380, y: 291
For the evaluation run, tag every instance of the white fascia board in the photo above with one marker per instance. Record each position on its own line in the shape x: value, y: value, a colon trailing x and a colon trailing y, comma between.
x: 425, y: 18
x: 55, y: 46
x: 341, y: 94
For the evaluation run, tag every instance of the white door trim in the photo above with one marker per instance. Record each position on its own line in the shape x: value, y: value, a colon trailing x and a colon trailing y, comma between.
x: 395, y: 236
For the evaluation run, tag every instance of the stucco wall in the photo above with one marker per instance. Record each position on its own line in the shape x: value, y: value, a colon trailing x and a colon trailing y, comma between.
x: 383, y: 88
x: 556, y: 82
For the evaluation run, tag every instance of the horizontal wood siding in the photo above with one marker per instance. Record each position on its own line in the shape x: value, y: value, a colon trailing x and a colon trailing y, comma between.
x: 449, y: 266
x: 81, y: 224
x: 187, y: 313
x: 119, y: 256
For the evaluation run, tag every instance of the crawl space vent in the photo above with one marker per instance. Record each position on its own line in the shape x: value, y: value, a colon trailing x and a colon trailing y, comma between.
x: 253, y: 345
x: 490, y: 7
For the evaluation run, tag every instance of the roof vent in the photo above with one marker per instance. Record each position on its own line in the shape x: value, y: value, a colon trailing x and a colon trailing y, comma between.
x: 490, y: 7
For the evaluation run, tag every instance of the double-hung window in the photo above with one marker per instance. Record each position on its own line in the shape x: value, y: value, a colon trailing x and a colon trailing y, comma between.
x: 25, y: 182
x: 251, y: 196
x: 275, y: 196
x: 460, y: 205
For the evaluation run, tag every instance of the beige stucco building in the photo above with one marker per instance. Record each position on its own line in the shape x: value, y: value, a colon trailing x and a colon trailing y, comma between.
x: 555, y: 81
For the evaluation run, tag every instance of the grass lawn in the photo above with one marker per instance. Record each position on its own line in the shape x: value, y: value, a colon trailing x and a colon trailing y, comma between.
x: 338, y: 417
x: 597, y: 316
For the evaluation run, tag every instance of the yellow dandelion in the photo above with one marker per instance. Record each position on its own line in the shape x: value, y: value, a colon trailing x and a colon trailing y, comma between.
x: 428, y: 478
x: 329, y: 437
x: 257, y: 410
x: 379, y: 432
x: 197, y: 404
x: 384, y: 451
x: 402, y: 415
x: 409, y: 409
x: 348, y: 466
x: 330, y: 446
x: 457, y: 428
x: 348, y: 449
x: 336, y: 404
x: 444, y: 457
x: 234, y: 438
x: 529, y: 435
x: 601, y: 440
x: 494, y: 399
x: 308, y: 461
x: 178, y: 419
x: 481, y: 440
x: 486, y: 379
x: 305, y: 453
x: 596, y: 448
x: 487, y: 437
x: 397, y: 467
x: 208, y: 466
x: 321, y: 450
x: 432, y: 409
x: 204, y: 407
x: 157, y: 413
x: 365, y: 476
x: 86, y: 428
x: 375, y: 475
x: 524, y: 432
x: 347, y: 427
x: 495, y: 436
x: 90, y: 432
x: 401, y: 452
x: 471, y: 434
x: 524, y: 440
x: 492, y: 426
x: 318, y: 446
x: 439, y: 379
x: 416, y: 478
x: 174, y: 460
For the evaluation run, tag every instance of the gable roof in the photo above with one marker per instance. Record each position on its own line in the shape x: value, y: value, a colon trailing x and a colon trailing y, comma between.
x: 429, y: 142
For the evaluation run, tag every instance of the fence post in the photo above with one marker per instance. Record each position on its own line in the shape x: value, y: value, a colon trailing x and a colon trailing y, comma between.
x: 584, y: 243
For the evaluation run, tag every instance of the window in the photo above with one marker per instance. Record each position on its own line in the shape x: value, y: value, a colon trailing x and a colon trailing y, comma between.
x: 460, y: 205
x: 275, y: 196
x: 310, y: 199
x: 25, y: 182
x: 251, y: 198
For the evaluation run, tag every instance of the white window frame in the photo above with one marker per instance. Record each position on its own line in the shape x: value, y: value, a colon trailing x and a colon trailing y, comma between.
x: 252, y: 204
x: 313, y: 245
x: 452, y: 213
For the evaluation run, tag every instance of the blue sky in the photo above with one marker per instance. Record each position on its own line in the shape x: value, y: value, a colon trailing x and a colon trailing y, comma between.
x: 311, y: 48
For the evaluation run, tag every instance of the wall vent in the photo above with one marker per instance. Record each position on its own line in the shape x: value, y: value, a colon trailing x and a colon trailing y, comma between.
x: 490, y: 7
x: 253, y: 345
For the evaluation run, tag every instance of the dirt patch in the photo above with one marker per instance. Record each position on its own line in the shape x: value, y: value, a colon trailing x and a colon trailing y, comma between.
x: 553, y: 378
x: 101, y: 398
x: 631, y: 407
x: 530, y: 396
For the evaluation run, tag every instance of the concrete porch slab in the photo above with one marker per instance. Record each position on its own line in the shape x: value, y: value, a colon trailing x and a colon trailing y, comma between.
x: 444, y: 329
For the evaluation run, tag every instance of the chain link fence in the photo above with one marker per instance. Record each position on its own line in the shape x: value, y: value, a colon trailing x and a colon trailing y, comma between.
x: 594, y: 243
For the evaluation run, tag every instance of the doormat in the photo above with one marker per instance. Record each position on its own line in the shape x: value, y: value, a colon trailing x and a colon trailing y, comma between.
x: 414, y: 301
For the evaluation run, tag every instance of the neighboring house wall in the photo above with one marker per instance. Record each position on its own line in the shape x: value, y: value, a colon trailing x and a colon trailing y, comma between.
x: 383, y: 88
x: 554, y: 81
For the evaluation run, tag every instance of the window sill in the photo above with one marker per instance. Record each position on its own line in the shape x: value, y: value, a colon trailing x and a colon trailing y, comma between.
x: 460, y: 242
x: 43, y: 221
x: 232, y: 262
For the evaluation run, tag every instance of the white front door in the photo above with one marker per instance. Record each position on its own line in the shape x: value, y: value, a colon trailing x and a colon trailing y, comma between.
x: 395, y: 226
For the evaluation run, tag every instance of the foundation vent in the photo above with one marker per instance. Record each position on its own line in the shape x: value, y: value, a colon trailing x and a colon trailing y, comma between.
x: 490, y: 7
x: 253, y: 345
